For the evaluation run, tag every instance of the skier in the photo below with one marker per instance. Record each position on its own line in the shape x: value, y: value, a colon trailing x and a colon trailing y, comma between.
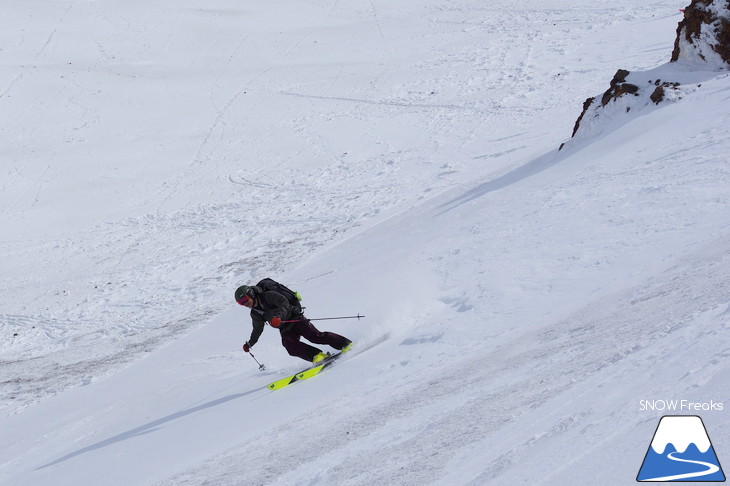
x: 282, y: 314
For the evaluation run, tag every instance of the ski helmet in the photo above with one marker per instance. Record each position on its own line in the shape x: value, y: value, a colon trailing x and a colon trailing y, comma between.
x: 244, y: 290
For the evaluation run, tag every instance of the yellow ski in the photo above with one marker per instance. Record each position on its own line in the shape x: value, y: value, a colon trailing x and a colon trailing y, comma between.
x: 305, y: 374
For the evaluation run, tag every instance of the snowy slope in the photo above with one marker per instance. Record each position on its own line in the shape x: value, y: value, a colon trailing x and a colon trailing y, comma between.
x: 177, y: 150
x: 397, y: 161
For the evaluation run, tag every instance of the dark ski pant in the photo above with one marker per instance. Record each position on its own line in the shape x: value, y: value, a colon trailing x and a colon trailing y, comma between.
x: 305, y: 329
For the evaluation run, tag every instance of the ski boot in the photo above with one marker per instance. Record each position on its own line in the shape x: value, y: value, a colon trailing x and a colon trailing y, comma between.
x: 319, y: 357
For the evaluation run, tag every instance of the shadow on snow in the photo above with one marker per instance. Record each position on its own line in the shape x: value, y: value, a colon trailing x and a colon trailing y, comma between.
x: 148, y: 427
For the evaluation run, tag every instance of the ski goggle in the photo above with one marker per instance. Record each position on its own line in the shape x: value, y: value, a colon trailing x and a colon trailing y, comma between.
x: 244, y: 300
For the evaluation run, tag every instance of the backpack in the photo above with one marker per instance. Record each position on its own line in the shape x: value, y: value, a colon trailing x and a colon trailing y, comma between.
x: 269, y: 284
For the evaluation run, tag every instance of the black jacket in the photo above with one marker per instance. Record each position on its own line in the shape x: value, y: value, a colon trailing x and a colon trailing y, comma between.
x: 269, y: 305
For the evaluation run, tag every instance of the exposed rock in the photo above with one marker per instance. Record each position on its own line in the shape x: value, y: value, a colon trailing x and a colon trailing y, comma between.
x: 586, y: 104
x: 658, y: 95
x: 618, y: 87
x: 704, y: 33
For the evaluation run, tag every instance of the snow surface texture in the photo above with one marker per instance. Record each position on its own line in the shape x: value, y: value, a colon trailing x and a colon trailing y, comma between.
x: 396, y: 159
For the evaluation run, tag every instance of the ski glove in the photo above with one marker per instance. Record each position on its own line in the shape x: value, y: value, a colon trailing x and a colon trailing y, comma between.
x: 246, y: 346
x: 275, y: 322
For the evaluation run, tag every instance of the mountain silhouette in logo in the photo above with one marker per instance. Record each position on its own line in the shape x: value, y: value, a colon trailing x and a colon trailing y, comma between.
x: 681, y: 451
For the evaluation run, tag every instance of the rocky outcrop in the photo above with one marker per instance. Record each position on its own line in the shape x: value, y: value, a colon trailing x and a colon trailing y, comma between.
x: 703, y: 39
x: 704, y: 33
x: 619, y: 87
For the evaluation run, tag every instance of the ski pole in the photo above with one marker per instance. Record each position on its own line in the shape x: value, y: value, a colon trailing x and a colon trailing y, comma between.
x: 358, y: 317
x: 261, y: 367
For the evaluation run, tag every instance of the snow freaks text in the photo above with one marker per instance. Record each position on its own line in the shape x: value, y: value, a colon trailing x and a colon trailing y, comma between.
x: 679, y: 406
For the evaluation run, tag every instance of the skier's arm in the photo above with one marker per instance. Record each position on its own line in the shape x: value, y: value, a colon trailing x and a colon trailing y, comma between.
x: 258, y: 328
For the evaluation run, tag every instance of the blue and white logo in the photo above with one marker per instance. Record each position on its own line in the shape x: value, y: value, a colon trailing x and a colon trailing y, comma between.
x: 681, y: 451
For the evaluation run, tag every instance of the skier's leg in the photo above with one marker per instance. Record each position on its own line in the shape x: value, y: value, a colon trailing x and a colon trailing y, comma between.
x: 295, y: 347
x: 307, y: 330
